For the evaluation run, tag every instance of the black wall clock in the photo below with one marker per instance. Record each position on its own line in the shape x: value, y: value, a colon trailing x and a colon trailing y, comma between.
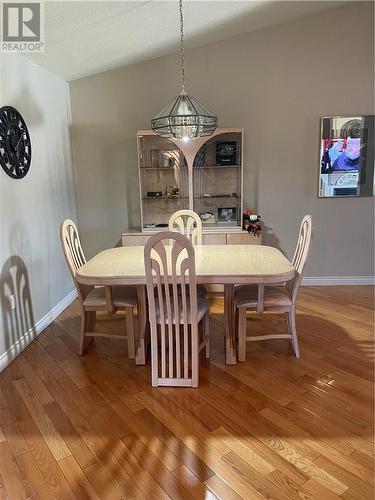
x: 15, y: 144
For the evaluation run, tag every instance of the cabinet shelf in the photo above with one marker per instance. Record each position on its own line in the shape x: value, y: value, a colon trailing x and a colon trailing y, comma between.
x: 203, y: 167
x: 161, y: 169
x: 219, y: 167
x: 164, y: 198
x: 214, y: 197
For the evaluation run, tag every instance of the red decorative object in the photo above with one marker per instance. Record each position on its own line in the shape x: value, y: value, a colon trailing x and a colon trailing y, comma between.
x: 251, y: 222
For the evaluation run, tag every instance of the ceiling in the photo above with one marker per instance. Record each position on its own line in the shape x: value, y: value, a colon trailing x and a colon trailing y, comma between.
x: 84, y: 38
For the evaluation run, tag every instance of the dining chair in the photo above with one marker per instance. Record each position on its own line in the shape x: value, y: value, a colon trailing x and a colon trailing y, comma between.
x: 93, y: 299
x: 175, y: 310
x: 188, y: 223
x: 278, y: 298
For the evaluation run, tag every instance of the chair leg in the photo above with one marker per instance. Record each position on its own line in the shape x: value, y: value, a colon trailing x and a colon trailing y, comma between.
x: 206, y: 326
x: 287, y: 322
x: 194, y: 356
x: 293, y: 331
x: 154, y: 355
x: 130, y: 332
x: 241, y: 333
x: 92, y: 321
x: 87, y: 325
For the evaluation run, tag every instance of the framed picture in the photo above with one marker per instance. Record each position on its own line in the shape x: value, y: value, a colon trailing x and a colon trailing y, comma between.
x: 227, y: 214
x: 346, y: 158
x: 226, y: 153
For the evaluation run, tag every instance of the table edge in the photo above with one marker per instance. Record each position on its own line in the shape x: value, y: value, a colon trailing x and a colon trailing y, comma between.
x: 202, y: 279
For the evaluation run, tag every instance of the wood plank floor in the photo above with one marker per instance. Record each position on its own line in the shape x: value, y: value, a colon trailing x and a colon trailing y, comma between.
x: 271, y: 427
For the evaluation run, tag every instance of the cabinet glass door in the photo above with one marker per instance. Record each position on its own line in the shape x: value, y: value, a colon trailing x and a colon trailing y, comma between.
x: 217, y: 171
x: 164, y: 180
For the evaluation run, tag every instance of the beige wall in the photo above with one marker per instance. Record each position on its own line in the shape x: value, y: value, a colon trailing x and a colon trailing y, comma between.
x: 31, y: 261
x: 276, y: 83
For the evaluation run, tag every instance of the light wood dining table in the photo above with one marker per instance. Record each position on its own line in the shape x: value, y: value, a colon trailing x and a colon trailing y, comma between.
x: 229, y: 265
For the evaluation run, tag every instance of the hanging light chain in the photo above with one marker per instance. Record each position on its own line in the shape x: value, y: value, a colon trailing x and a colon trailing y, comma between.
x: 184, y: 118
x: 182, y: 47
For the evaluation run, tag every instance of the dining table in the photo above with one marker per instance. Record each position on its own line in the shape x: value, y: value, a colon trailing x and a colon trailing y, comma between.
x: 229, y: 265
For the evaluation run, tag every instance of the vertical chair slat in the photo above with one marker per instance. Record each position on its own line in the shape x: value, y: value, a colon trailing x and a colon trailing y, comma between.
x: 176, y: 307
x: 186, y: 326
x: 155, y: 266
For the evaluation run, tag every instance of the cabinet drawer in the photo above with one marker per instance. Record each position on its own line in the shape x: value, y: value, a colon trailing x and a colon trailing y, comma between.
x: 215, y: 239
x: 243, y: 239
x: 134, y: 240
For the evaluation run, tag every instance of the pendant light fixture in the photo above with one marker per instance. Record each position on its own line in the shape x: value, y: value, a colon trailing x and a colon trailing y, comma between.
x: 184, y: 117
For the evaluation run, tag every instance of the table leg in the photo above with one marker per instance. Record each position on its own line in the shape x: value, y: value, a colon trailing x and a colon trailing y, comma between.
x: 140, y: 355
x: 229, y: 325
x: 260, y: 303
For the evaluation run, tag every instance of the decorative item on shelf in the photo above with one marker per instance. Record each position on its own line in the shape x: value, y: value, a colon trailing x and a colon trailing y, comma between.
x: 154, y: 194
x: 184, y: 117
x: 163, y: 159
x: 15, y: 144
x: 153, y: 225
x: 208, y: 217
x: 226, y: 153
x: 227, y: 214
x: 172, y: 191
x: 251, y: 223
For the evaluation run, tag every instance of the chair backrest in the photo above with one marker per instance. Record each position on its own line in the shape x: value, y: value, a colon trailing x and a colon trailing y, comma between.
x: 74, y: 256
x: 301, y: 254
x: 172, y: 296
x: 188, y: 223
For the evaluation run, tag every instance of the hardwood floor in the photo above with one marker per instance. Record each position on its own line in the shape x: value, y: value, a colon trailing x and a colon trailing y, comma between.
x: 270, y: 427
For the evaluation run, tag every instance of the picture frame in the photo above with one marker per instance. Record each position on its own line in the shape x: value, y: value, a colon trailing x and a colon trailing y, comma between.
x: 346, y: 156
x: 226, y: 153
x: 227, y: 214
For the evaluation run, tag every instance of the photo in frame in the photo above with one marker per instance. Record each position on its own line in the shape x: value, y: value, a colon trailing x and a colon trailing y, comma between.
x: 346, y: 157
x: 227, y: 214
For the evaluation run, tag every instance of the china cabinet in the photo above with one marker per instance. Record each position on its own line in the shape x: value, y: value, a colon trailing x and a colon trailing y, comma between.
x: 204, y: 175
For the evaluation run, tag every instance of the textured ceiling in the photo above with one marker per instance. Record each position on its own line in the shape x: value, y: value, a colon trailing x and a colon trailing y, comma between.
x: 84, y: 38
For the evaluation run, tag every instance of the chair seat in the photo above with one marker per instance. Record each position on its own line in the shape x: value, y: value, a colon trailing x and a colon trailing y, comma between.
x: 274, y: 296
x: 202, y: 307
x: 122, y: 296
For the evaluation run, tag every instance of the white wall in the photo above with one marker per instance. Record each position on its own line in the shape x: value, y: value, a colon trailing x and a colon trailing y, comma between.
x: 276, y: 83
x: 31, y: 261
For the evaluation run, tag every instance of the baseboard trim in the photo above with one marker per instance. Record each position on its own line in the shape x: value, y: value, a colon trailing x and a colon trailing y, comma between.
x: 23, y: 342
x: 338, y: 280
